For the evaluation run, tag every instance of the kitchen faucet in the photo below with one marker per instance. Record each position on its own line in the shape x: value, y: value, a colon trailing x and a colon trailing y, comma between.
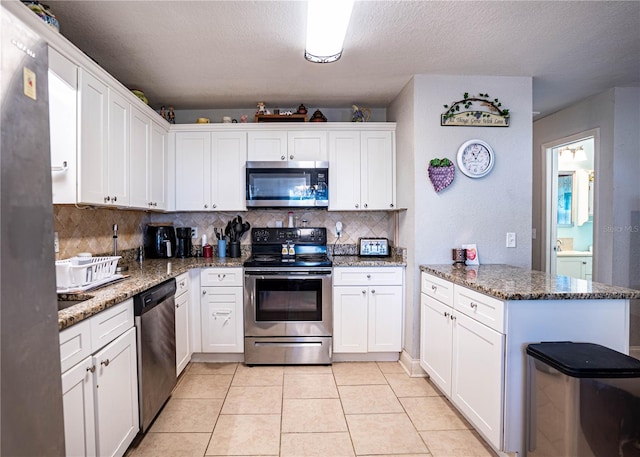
x: 558, y: 245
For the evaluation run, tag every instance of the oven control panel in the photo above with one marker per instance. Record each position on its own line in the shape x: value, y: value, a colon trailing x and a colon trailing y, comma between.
x: 306, y: 235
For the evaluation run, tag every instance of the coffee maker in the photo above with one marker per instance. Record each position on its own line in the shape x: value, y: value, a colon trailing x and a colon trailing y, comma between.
x: 160, y: 241
x: 183, y: 235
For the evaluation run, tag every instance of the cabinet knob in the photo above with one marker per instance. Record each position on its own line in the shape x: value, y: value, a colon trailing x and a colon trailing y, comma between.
x: 206, y: 206
x: 283, y: 157
x: 373, y: 291
x: 390, y: 205
x: 115, y: 199
x: 91, y: 369
x: 366, y: 206
x: 446, y: 314
x: 364, y: 292
x: 474, y: 305
x: 453, y: 318
x: 155, y: 204
x: 150, y: 204
x: 214, y: 206
x: 177, y: 305
x: 105, y: 363
x: 221, y: 276
x: 368, y: 276
x: 182, y: 283
x: 107, y: 199
x: 434, y: 288
x: 357, y: 205
x: 204, y: 292
x: 291, y: 157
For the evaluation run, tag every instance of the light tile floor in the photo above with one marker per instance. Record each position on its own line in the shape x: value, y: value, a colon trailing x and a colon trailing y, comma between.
x: 347, y: 409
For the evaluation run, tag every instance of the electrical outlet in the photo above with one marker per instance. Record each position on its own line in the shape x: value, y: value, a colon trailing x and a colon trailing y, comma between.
x: 338, y: 228
x: 194, y: 232
x: 56, y: 242
x: 511, y: 239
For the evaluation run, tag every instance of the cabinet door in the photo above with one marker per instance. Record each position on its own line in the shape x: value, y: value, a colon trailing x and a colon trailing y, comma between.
x: 116, y: 395
x: 267, y: 146
x: 229, y: 156
x: 385, y: 319
x: 222, y: 322
x: 193, y: 171
x: 63, y: 106
x: 309, y: 145
x: 92, y: 133
x: 378, y: 171
x: 139, y: 159
x: 344, y: 170
x: 158, y: 167
x: 183, y: 335
x: 570, y: 266
x: 118, y: 147
x: 77, y: 404
x: 350, y: 319
x: 436, y: 330
x: 477, y: 385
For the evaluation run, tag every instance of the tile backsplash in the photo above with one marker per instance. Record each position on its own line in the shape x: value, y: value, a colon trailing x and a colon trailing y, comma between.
x: 91, y: 229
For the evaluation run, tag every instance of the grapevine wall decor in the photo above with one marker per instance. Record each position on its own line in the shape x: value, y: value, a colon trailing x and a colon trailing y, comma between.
x: 476, y: 111
x: 441, y: 173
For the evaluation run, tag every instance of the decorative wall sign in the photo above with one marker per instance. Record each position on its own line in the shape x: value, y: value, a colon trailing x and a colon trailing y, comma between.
x: 478, y: 111
x: 441, y: 173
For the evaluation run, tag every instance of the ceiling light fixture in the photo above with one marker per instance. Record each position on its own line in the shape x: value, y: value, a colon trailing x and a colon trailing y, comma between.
x: 327, y: 22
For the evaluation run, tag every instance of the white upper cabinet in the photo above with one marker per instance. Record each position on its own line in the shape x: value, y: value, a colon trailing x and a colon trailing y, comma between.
x: 362, y: 170
x: 63, y: 108
x: 92, y: 133
x: 118, y: 147
x: 210, y: 171
x: 148, y: 161
x: 283, y: 145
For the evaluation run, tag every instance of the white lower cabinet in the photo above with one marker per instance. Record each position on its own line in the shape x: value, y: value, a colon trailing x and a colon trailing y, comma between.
x: 183, y: 333
x: 575, y: 266
x: 367, y: 309
x: 221, y: 305
x: 464, y: 355
x: 100, y: 393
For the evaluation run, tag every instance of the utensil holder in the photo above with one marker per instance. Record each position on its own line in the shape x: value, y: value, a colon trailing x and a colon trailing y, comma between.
x: 222, y: 248
x: 234, y: 249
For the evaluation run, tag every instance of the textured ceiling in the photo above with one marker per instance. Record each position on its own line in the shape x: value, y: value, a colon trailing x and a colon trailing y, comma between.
x: 231, y: 54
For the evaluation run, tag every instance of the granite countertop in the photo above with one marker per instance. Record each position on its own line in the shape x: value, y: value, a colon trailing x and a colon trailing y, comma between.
x: 507, y: 282
x: 359, y: 261
x: 151, y: 272
x: 139, y: 277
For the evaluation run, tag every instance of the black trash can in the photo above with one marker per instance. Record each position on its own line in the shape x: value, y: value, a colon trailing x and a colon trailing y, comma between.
x: 584, y: 401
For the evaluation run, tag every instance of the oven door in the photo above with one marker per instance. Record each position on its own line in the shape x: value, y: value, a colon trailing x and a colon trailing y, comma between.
x: 287, y: 303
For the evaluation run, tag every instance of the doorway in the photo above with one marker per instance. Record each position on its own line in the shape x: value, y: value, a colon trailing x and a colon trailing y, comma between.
x: 571, y: 186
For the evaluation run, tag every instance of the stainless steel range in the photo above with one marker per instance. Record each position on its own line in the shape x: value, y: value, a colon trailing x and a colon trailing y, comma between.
x: 287, y: 290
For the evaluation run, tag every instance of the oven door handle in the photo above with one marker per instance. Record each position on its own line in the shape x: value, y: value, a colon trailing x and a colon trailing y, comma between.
x: 290, y: 274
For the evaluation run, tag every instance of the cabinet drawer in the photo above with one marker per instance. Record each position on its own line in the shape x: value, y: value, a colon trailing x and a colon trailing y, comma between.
x: 182, y: 284
x: 75, y: 344
x: 379, y: 276
x: 437, y: 288
x: 221, y: 277
x: 484, y: 309
x: 110, y: 324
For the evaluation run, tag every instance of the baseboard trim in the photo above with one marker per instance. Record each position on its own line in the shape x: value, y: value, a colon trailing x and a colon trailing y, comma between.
x: 366, y: 357
x: 411, y: 366
x: 216, y: 358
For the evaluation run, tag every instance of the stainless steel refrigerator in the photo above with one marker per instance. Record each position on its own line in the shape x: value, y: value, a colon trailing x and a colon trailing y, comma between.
x: 30, y: 390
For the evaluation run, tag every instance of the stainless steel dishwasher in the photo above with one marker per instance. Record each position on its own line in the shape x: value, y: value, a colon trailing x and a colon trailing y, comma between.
x: 156, y: 332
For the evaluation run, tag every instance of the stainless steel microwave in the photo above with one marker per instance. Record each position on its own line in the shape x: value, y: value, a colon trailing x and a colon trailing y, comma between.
x: 299, y: 184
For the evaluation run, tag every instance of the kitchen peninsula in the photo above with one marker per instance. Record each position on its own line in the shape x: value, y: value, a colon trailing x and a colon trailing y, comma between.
x: 477, y: 321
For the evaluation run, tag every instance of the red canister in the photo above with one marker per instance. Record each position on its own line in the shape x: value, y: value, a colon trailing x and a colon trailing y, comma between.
x: 207, y: 251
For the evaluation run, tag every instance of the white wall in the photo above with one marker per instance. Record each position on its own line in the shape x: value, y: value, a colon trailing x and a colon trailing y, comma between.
x: 478, y: 211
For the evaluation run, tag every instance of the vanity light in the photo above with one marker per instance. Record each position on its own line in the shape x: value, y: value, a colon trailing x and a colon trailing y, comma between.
x: 577, y: 155
x: 327, y: 22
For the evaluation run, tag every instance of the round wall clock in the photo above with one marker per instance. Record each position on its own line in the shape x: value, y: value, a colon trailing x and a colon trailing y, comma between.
x: 475, y: 158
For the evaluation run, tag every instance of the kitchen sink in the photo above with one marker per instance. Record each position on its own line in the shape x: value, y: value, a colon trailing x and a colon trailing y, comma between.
x: 66, y: 301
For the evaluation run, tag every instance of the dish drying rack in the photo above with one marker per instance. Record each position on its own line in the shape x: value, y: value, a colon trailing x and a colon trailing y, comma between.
x: 80, y: 274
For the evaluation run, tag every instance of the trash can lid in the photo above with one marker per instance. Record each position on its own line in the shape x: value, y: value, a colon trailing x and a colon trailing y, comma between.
x: 585, y: 360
